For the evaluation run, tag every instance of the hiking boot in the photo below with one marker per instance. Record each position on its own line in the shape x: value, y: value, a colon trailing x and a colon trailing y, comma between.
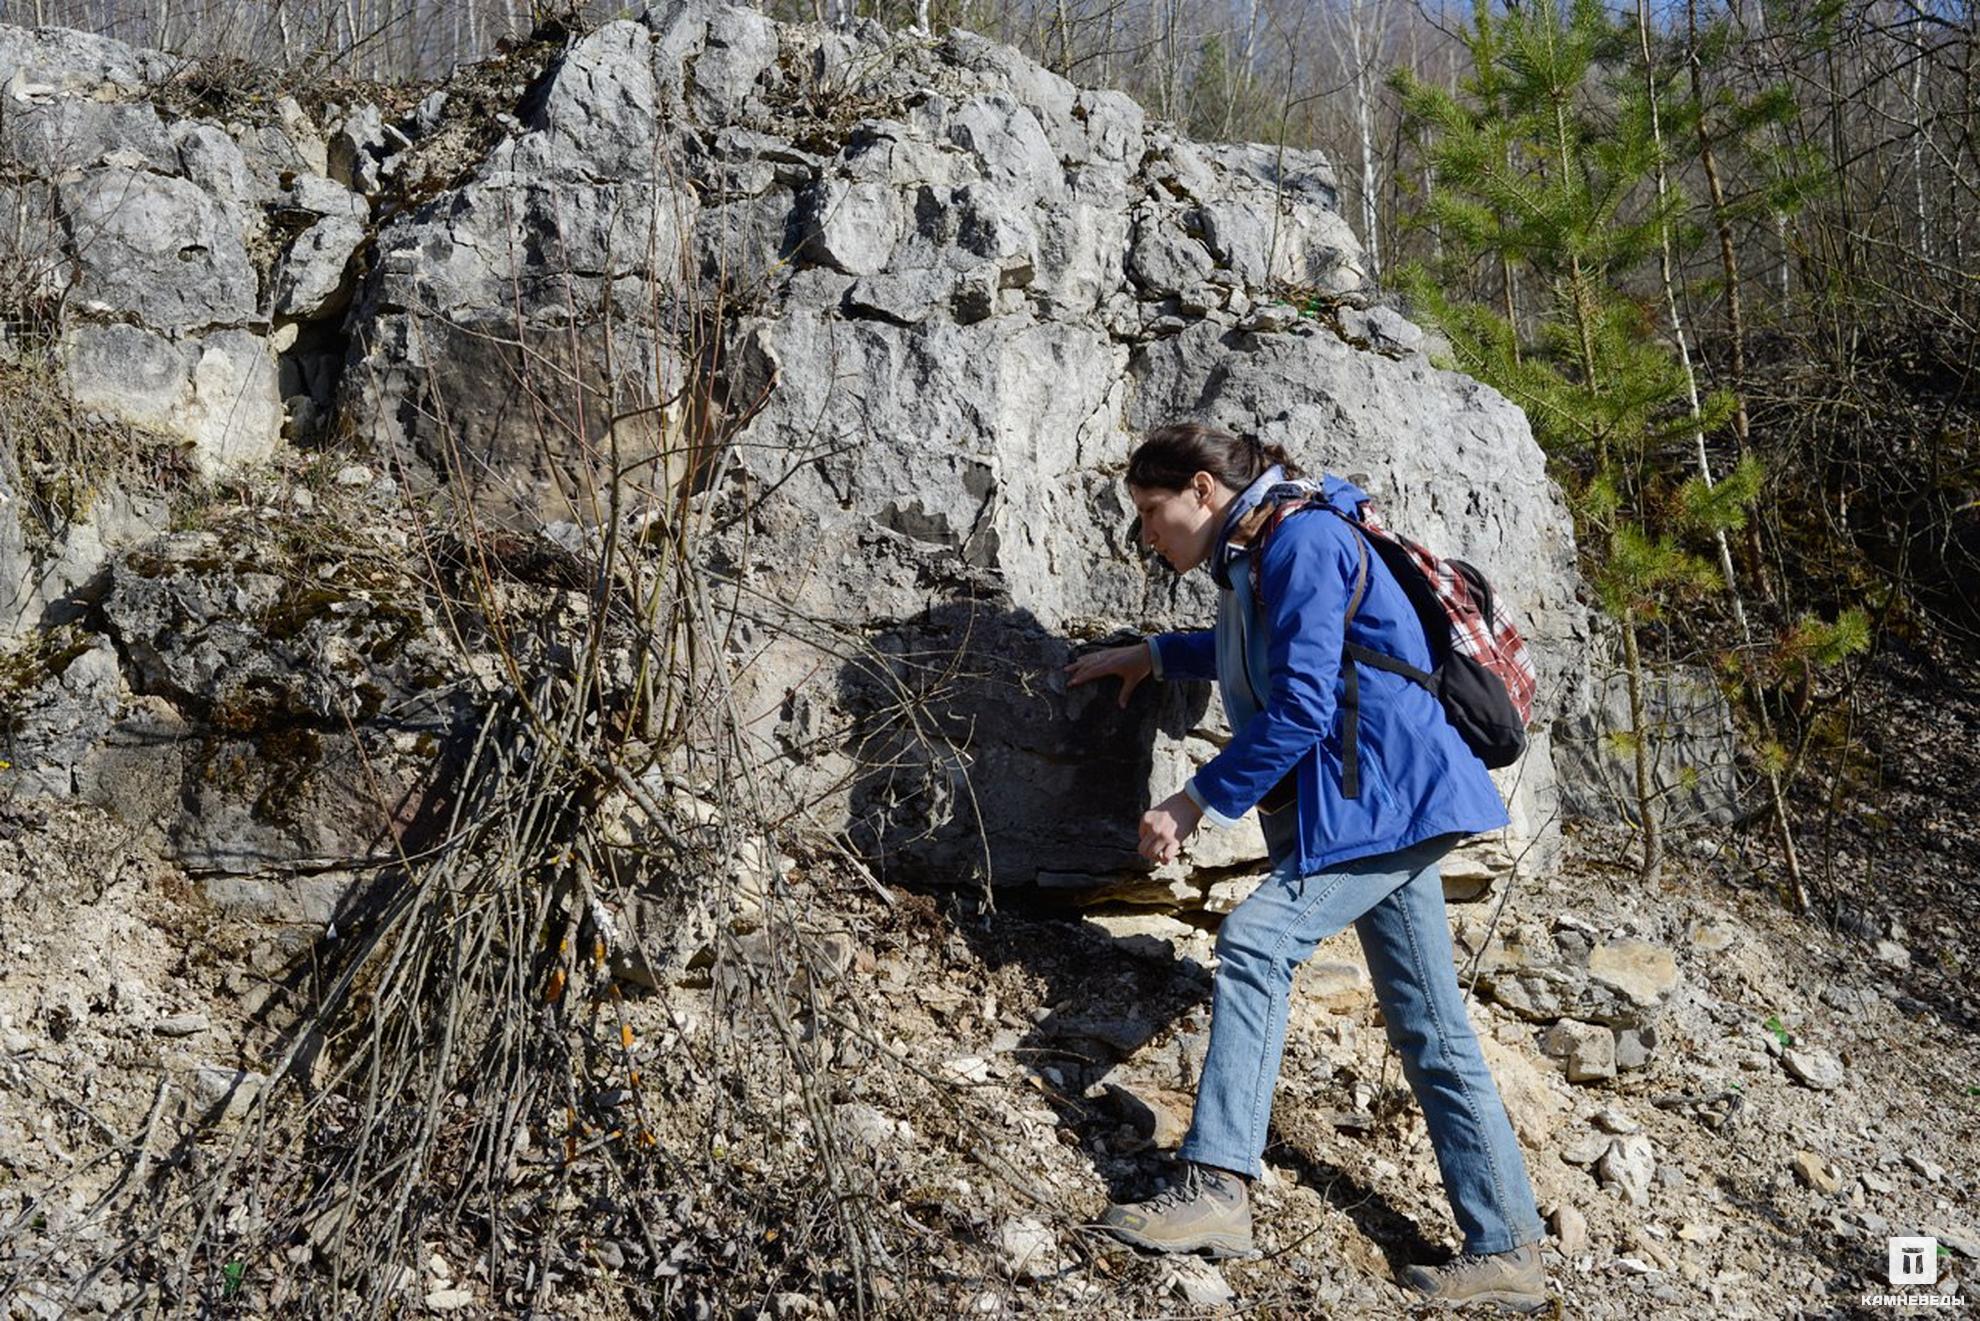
x: 1205, y: 1210
x: 1513, y: 1280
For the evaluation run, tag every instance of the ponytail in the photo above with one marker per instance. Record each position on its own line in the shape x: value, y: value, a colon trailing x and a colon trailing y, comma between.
x: 1171, y: 455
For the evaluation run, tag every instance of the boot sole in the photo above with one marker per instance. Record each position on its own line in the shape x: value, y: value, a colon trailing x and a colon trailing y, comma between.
x: 1523, y: 1303
x: 1211, y: 1245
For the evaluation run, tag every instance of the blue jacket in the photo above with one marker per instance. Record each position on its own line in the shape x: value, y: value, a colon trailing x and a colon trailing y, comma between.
x: 1278, y: 665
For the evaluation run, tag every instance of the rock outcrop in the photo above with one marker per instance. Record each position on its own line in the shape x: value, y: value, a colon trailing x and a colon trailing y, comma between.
x: 880, y: 314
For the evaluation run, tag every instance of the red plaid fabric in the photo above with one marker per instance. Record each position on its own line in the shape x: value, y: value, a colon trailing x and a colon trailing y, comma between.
x: 1463, y: 593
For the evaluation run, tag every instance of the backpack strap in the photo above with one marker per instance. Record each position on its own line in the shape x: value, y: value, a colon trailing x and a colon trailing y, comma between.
x: 1351, y: 678
x: 1259, y: 525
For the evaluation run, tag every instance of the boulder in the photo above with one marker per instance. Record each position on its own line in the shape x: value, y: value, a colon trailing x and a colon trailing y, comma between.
x: 50, y: 62
x: 56, y: 136
x: 281, y: 721
x: 314, y: 279
x: 1693, y: 750
x: 939, y: 316
x: 157, y: 249
x: 959, y: 284
x: 1546, y: 974
x: 217, y: 391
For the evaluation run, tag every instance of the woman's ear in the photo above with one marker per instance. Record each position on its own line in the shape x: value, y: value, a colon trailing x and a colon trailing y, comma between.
x: 1202, y: 483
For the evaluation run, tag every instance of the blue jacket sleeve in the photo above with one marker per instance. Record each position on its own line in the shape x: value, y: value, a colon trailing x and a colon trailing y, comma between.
x: 1303, y: 589
x: 1190, y: 655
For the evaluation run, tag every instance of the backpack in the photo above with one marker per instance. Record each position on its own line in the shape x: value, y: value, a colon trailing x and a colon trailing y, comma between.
x: 1480, y: 670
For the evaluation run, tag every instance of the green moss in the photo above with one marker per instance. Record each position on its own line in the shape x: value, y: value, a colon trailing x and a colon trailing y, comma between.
x: 295, y: 611
x: 46, y: 656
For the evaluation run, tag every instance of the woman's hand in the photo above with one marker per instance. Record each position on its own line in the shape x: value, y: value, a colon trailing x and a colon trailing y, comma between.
x: 1129, y: 664
x: 1165, y: 826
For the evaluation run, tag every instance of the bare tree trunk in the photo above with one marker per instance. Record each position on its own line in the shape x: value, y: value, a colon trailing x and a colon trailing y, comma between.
x: 1171, y: 67
x: 1780, y: 217
x: 1370, y: 183
x: 1921, y: 128
x: 1646, y: 790
x: 1250, y: 53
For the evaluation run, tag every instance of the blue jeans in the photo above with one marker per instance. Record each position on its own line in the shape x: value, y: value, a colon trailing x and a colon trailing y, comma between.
x: 1396, y: 902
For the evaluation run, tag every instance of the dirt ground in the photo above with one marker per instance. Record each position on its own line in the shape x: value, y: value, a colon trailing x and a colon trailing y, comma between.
x: 979, y: 1084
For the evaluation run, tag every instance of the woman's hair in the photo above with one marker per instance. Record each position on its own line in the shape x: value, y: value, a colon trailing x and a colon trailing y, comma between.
x: 1169, y: 456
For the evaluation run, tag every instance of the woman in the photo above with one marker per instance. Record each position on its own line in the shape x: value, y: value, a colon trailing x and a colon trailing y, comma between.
x: 1365, y: 853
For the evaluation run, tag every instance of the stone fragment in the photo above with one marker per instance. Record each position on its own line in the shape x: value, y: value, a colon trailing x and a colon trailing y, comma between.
x: 1817, y: 1172
x: 1925, y: 1167
x: 58, y: 716
x: 54, y: 138
x: 880, y: 1133
x: 1156, y: 1113
x: 1383, y: 329
x: 51, y: 61
x: 1613, y: 1119
x: 853, y: 225
x: 1532, y: 1099
x: 1712, y: 938
x: 1586, y: 1149
x: 1569, y: 1228
x: 1272, y: 318
x: 1198, y: 1283
x: 1030, y: 1251
x: 1164, y: 261
x: 227, y: 1094
x: 214, y: 161
x: 1645, y: 973
x: 1965, y: 1242
x: 1628, y: 1166
x: 314, y: 279
x: 1853, y: 1001
x: 598, y: 112
x: 1337, y: 985
x: 1587, y: 1051
x: 357, y: 148
x: 741, y: 44
x: 305, y: 141
x: 1634, y: 1046
x: 1813, y: 1068
x: 1154, y: 936
x: 906, y: 298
